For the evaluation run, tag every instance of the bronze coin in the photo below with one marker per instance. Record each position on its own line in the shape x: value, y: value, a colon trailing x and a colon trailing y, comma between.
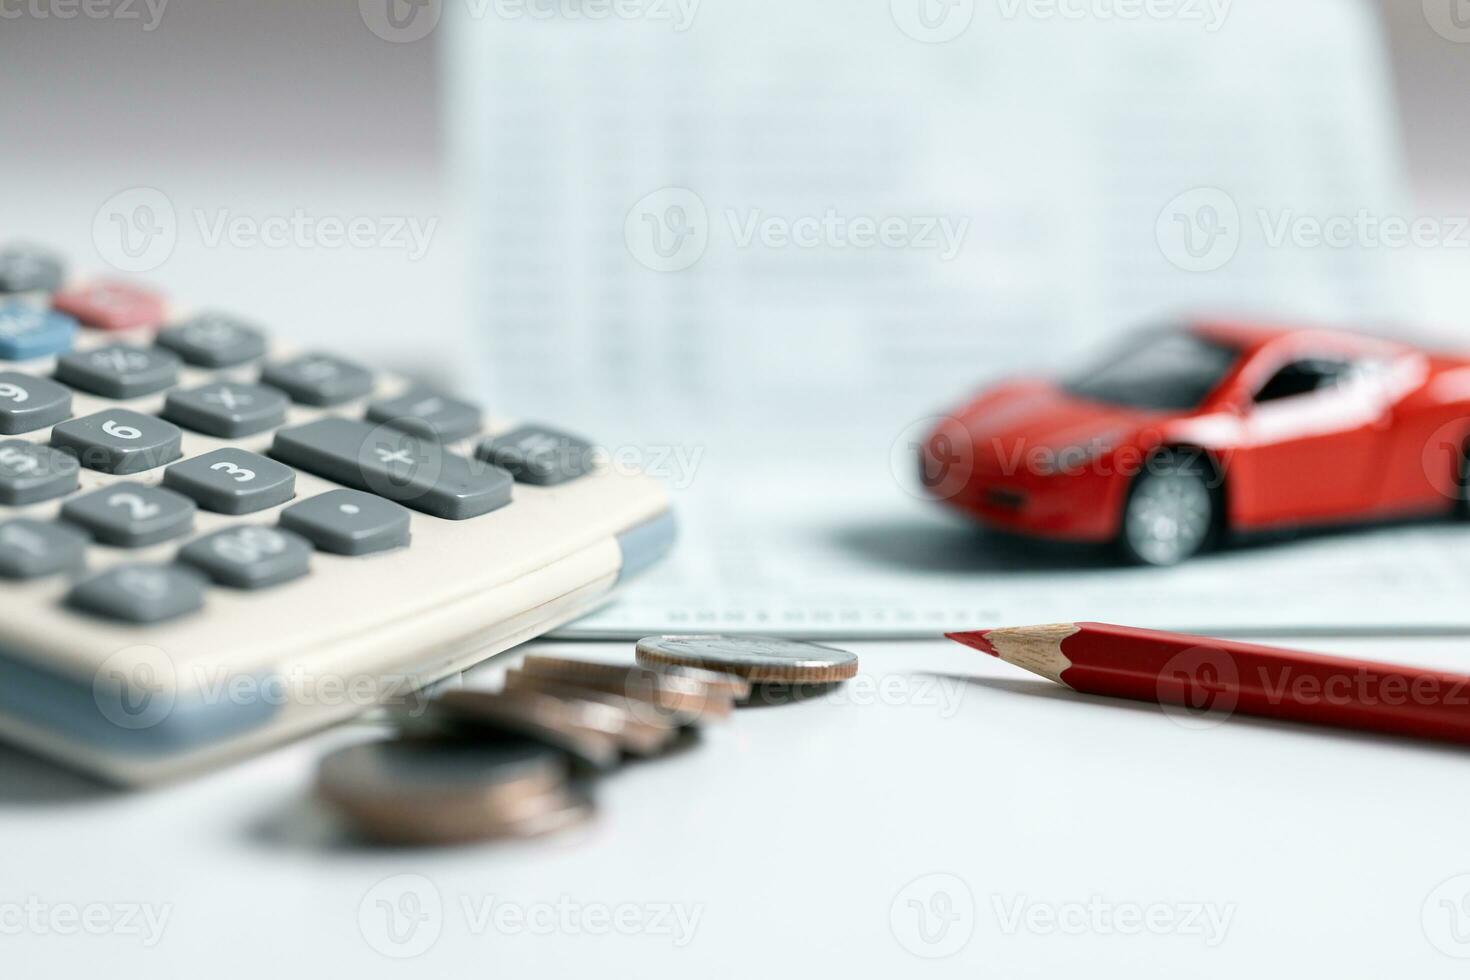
x: 683, y: 699
x: 418, y: 790
x: 726, y: 684
x: 647, y: 730
x: 588, y: 731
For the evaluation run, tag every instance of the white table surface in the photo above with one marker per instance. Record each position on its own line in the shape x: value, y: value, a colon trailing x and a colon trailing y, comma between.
x: 1072, y: 837
x: 793, y: 838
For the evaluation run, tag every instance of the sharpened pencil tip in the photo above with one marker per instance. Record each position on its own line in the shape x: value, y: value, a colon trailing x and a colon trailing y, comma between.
x: 977, y: 639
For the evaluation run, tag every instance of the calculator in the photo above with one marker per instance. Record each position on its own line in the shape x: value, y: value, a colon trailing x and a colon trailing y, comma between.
x: 212, y: 541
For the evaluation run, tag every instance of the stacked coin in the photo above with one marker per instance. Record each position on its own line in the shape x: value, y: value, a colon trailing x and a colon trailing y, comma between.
x: 478, y: 765
x: 439, y: 791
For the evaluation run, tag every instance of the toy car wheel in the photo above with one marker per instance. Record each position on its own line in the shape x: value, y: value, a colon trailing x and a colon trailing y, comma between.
x: 1170, y: 513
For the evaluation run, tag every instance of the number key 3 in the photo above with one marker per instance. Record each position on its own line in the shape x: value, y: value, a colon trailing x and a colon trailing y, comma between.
x: 232, y: 481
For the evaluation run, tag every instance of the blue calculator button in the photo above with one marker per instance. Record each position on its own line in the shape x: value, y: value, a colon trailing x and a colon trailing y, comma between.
x: 27, y: 332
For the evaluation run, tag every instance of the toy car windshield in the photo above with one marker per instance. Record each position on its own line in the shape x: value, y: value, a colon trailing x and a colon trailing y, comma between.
x: 1165, y: 370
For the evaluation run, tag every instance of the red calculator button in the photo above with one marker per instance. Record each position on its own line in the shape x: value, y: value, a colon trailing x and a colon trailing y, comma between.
x: 111, y: 305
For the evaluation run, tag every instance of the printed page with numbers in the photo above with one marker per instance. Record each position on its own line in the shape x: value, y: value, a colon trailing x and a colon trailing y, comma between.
x: 838, y: 220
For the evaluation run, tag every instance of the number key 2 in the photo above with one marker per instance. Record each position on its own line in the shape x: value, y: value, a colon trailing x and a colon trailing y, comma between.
x: 131, y: 515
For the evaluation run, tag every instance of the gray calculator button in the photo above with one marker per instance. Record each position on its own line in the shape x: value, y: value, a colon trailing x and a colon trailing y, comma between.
x: 318, y: 379
x: 213, y: 340
x: 232, y: 481
x: 30, y: 549
x: 119, y: 440
x: 140, y: 593
x: 348, y: 522
x: 25, y: 269
x: 538, y: 455
x: 131, y: 515
x: 249, y: 557
x: 427, y: 413
x: 119, y: 370
x: 28, y: 403
x: 227, y: 409
x: 31, y: 472
x: 417, y: 472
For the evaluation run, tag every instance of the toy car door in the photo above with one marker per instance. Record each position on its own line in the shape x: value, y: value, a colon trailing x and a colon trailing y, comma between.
x: 1315, y: 435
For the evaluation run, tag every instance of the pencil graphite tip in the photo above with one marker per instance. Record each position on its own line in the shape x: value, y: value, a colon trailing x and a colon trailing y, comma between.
x: 979, y: 639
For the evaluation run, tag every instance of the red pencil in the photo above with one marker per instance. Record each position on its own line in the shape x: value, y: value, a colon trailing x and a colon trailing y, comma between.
x: 1222, y: 677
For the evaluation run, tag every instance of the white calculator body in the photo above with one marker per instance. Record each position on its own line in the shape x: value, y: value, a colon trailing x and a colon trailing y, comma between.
x: 210, y: 542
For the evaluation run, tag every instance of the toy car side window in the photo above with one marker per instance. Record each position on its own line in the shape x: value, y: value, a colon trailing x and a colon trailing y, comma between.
x: 1302, y: 377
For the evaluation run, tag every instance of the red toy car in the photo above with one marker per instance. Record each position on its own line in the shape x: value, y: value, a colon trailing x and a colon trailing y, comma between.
x: 1186, y: 433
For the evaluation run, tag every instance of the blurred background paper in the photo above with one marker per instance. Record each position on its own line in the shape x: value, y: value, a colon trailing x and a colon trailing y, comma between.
x: 757, y: 245
x: 1050, y: 147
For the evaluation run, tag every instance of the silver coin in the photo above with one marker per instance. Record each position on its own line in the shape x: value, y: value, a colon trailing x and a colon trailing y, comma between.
x: 760, y: 659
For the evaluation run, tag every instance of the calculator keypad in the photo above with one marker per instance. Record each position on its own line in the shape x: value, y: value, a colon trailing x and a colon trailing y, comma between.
x: 232, y: 481
x: 119, y: 370
x: 119, y: 440
x: 318, y: 379
x: 227, y: 409
x: 214, y: 340
x: 131, y: 515
x: 416, y: 472
x: 27, y: 333
x: 140, y: 593
x: 31, y: 549
x: 249, y: 557
x: 30, y: 473
x: 392, y: 455
x: 348, y: 522
x: 28, y: 403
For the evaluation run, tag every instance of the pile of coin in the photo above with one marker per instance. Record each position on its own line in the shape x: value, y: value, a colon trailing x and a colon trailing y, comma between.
x: 519, y: 761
